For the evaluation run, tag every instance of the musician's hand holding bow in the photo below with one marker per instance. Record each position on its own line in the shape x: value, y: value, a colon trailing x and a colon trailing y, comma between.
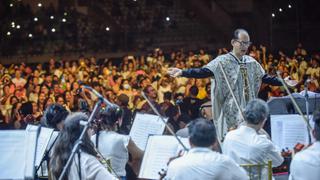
x: 163, y: 172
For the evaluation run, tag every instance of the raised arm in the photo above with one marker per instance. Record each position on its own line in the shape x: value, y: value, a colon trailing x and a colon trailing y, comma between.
x: 190, y: 73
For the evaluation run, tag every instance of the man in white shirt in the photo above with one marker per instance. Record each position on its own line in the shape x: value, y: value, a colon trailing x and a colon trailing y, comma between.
x: 201, y: 162
x: 246, y: 146
x: 306, y: 164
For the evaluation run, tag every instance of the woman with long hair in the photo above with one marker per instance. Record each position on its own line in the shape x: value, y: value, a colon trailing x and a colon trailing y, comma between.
x: 85, y: 164
x: 115, y: 146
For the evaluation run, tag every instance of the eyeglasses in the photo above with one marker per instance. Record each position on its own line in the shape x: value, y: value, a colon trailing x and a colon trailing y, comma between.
x: 244, y: 43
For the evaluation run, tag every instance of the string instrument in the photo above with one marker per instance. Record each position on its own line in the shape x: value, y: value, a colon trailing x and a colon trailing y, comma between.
x: 163, y: 172
x: 106, y: 163
x: 298, y: 147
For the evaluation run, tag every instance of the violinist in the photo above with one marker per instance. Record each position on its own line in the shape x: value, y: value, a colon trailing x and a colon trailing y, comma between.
x: 201, y: 162
x: 306, y: 164
x: 246, y: 145
x: 85, y: 164
x: 115, y: 146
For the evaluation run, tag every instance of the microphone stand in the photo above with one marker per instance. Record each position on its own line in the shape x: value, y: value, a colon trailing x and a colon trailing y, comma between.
x: 47, y: 153
x: 80, y: 139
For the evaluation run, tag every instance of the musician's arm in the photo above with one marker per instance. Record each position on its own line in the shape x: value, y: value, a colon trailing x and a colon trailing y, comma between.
x: 272, y: 80
x: 197, y: 73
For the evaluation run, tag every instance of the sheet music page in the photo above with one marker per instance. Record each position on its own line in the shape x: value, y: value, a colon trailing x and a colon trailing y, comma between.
x: 145, y: 125
x: 157, y: 154
x: 30, y: 140
x: 43, y: 141
x: 12, y: 151
x: 54, y: 136
x: 288, y: 130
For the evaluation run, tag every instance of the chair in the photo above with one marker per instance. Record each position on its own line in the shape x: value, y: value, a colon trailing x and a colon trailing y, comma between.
x: 254, y: 171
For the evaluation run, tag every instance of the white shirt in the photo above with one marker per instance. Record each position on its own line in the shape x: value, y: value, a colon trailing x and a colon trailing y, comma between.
x: 246, y: 146
x: 91, y: 168
x: 203, y: 163
x: 306, y: 164
x: 19, y: 82
x: 113, y: 146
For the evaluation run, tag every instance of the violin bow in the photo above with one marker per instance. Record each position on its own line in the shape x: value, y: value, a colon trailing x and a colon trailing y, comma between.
x: 294, y: 101
x: 167, y: 126
x: 231, y: 91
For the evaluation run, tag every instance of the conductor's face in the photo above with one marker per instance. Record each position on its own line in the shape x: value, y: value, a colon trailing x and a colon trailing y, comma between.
x: 241, y: 45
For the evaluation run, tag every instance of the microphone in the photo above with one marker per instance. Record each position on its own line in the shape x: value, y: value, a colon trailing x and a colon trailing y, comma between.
x: 96, y: 93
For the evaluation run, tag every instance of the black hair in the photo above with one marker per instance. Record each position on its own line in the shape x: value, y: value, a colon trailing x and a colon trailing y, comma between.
x: 316, y: 119
x: 68, y: 137
x: 111, y: 115
x: 107, y: 118
x: 167, y: 95
x: 26, y: 108
x: 202, y: 133
x: 237, y: 32
x: 194, y: 90
x: 53, y: 115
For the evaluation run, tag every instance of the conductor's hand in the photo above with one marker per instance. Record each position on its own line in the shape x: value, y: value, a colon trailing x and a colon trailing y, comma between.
x: 289, y: 82
x: 174, y: 72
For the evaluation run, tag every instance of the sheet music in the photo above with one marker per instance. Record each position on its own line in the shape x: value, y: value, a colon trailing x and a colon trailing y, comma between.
x: 12, y: 150
x: 288, y: 130
x: 54, y: 136
x: 145, y: 125
x: 43, y: 141
x: 157, y: 154
x: 30, y: 140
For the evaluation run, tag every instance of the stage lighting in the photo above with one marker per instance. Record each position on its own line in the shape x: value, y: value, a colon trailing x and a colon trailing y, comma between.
x: 13, y: 25
x: 35, y: 19
x: 30, y: 35
x: 64, y: 20
x: 65, y: 14
x: 11, y: 5
x: 51, y: 17
x: 289, y: 6
x: 167, y: 18
x: 39, y: 4
x: 53, y: 30
x: 18, y: 26
x: 107, y: 29
x: 8, y: 33
x: 280, y: 10
x: 273, y: 15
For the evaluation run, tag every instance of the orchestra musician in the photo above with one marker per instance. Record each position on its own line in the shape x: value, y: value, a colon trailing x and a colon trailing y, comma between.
x: 246, y: 145
x: 54, y: 116
x: 85, y: 164
x: 306, y: 164
x: 115, y: 146
x: 201, y: 162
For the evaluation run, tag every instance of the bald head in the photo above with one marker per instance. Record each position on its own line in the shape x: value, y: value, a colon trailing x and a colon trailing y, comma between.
x: 238, y: 32
x: 240, y: 42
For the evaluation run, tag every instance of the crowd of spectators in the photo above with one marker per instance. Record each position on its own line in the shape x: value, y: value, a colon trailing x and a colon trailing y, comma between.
x: 27, y: 89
